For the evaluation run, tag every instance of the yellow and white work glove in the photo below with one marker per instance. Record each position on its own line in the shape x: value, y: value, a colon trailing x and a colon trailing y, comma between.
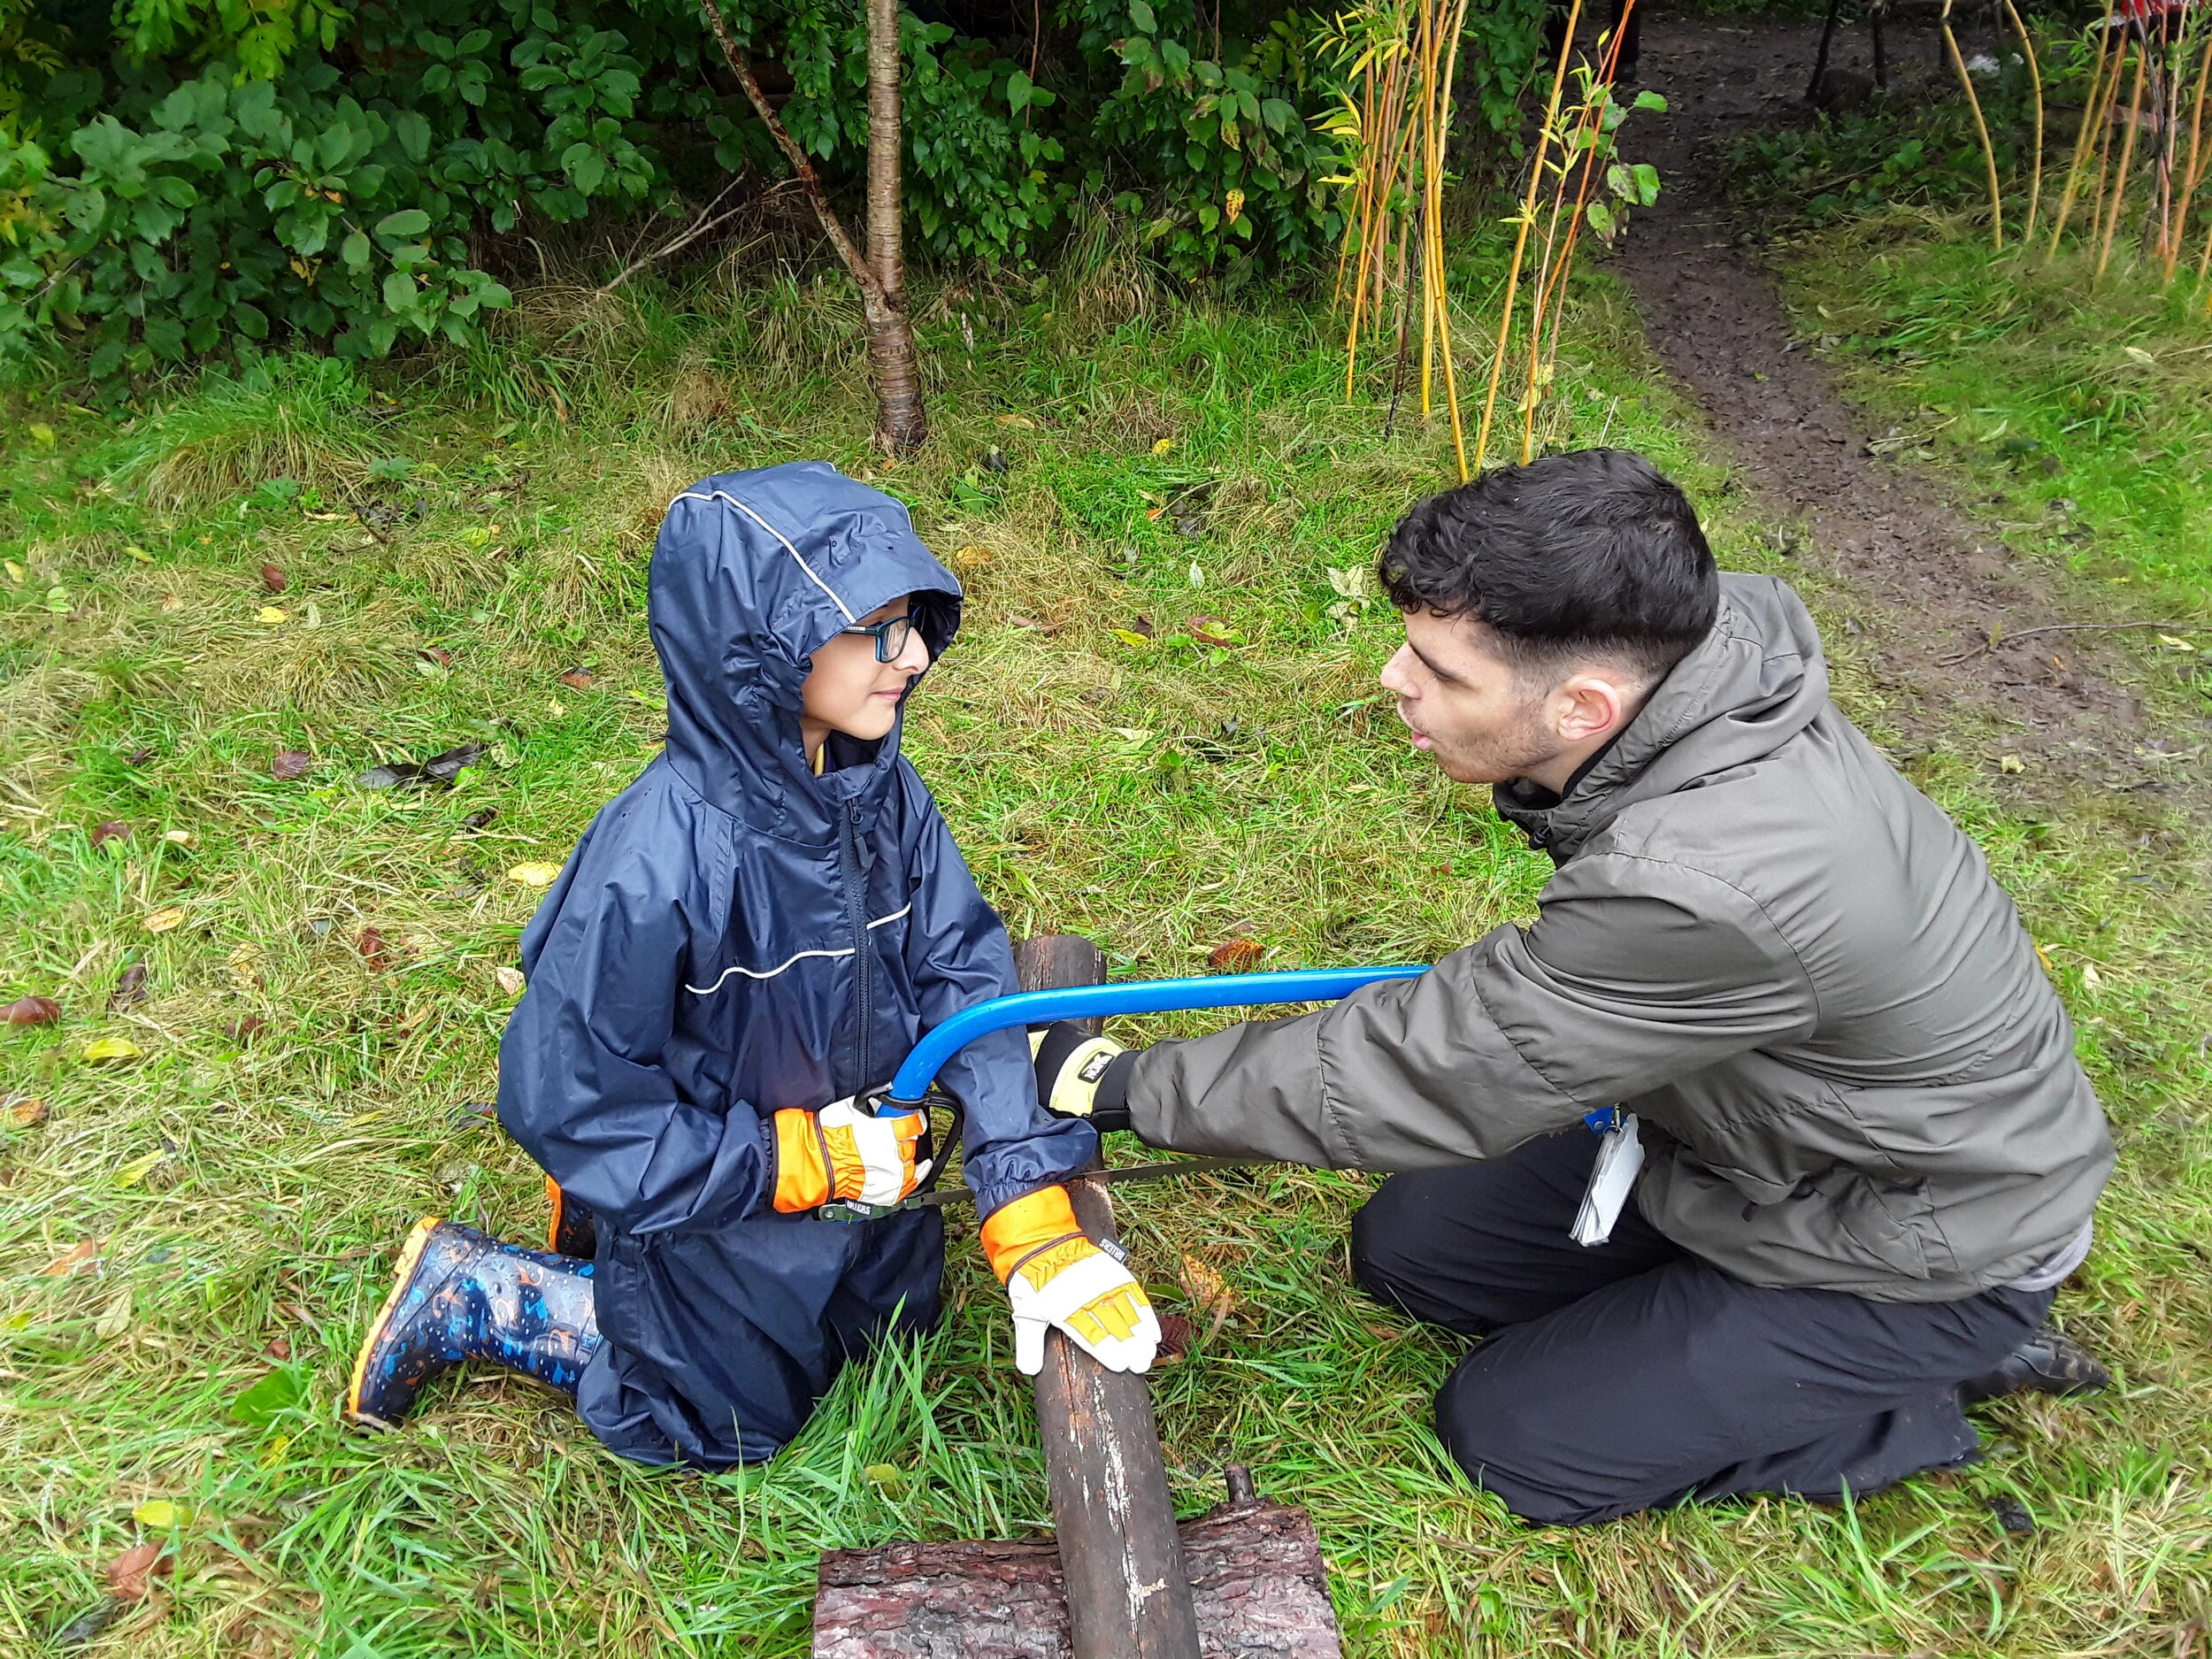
x: 841, y: 1152
x: 1054, y: 1275
x: 1078, y: 1075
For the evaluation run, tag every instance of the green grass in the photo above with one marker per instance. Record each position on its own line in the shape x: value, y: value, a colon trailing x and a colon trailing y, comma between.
x: 1157, y: 796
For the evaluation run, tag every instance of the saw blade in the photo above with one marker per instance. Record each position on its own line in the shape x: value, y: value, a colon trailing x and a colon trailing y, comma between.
x: 852, y: 1210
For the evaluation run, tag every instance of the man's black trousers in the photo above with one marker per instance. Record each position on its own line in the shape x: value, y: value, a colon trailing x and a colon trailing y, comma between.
x: 1632, y: 1374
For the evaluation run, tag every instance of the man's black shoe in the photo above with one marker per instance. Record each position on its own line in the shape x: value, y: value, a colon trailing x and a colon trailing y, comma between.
x: 2050, y: 1363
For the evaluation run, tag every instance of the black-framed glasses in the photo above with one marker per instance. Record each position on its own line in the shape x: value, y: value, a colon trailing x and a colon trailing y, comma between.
x: 890, y: 637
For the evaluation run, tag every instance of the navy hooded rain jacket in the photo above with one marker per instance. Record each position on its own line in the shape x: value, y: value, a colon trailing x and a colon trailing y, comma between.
x: 735, y: 935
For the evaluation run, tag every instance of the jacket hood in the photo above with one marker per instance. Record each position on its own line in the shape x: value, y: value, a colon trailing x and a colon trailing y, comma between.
x: 1753, y: 683
x: 753, y: 574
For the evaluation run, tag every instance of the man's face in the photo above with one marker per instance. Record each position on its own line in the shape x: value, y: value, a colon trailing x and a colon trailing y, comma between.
x: 1467, y: 708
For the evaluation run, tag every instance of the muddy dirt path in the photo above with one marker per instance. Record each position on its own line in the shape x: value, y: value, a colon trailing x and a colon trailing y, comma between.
x: 1931, y: 582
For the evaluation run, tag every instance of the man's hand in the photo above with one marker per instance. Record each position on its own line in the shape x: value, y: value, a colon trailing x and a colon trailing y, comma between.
x: 841, y: 1152
x: 1055, y: 1276
x: 1082, y: 1076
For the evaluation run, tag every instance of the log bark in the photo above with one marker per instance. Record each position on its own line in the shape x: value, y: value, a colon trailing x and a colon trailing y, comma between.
x: 1258, y: 1591
x: 1128, y: 1593
x: 902, y: 425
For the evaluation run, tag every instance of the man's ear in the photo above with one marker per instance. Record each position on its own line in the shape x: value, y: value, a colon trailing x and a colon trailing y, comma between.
x: 1593, y: 704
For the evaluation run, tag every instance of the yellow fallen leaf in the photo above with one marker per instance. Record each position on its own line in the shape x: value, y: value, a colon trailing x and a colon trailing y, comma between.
x: 181, y: 838
x: 1127, y: 638
x: 534, y: 875
x: 2090, y: 976
x: 275, y: 1455
x: 160, y: 1513
x: 140, y: 554
x: 113, y: 1048
x: 40, y: 432
x: 162, y: 920
x: 2179, y: 645
x: 1022, y: 422
x: 2012, y: 763
x: 16, y: 572
x: 117, y: 1318
x: 271, y: 614
x: 135, y: 1171
x: 511, y: 980
x: 2044, y: 957
x: 1162, y: 446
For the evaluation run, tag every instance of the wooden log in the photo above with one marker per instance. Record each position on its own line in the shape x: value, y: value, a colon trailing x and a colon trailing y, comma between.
x: 1258, y: 1591
x: 1127, y: 1589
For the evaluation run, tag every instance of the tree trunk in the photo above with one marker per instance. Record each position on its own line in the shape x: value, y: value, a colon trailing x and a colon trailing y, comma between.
x: 901, y: 426
x: 900, y: 423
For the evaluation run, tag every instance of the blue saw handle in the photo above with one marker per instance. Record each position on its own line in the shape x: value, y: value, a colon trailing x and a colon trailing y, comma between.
x: 1127, y: 996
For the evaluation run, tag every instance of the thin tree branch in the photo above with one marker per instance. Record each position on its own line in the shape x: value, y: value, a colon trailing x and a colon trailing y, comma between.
x: 701, y: 223
x: 741, y: 67
x: 1993, y: 642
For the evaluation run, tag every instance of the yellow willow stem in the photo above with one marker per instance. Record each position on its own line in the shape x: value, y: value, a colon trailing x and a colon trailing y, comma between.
x: 2092, y: 111
x: 2035, y: 84
x: 2127, y: 156
x: 1435, y: 236
x: 2192, y: 173
x: 1425, y: 117
x: 1610, y: 70
x: 1981, y: 129
x: 1520, y: 242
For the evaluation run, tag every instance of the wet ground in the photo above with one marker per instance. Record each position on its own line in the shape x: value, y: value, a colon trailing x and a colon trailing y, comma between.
x: 1933, y: 583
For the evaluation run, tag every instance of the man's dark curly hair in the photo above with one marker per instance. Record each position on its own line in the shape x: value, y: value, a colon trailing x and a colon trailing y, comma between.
x: 1593, y: 554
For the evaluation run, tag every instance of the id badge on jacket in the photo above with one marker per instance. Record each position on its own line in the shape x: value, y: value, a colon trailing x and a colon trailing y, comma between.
x: 1620, y: 1156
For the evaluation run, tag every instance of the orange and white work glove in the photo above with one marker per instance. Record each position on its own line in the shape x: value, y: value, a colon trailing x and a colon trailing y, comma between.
x: 1054, y: 1275
x: 841, y: 1152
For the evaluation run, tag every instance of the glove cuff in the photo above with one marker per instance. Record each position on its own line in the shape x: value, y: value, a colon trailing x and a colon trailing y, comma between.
x: 802, y: 1165
x: 1014, y: 1232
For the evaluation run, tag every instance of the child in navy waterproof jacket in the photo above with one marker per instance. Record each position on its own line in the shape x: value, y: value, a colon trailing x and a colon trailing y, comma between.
x: 743, y: 946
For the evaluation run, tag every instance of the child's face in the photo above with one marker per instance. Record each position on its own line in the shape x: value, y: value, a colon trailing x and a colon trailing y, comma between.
x: 848, y: 691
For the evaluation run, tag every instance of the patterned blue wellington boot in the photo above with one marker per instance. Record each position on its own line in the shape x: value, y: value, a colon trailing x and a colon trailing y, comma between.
x: 460, y: 1294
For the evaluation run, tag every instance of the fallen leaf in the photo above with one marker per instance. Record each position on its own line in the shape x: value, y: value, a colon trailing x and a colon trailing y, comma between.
x: 181, y: 838
x: 129, y: 989
x: 437, y: 657
x: 2169, y: 640
x: 161, y: 1514
x: 272, y: 578
x: 279, y: 1348
x: 2011, y: 763
x: 370, y: 943
x: 390, y: 775
x: 27, y: 1112
x: 511, y: 980
x: 1212, y: 631
x: 1021, y: 421
x: 111, y: 829
x: 243, y: 1032
x: 288, y: 764
x: 444, y: 768
x: 270, y: 615
x: 139, y: 1167
x: 2090, y: 976
x: 244, y: 964
x: 113, y: 1048
x: 534, y: 875
x: 1206, y: 1289
x: 172, y: 603
x: 1163, y: 445
x: 116, y: 1318
x: 32, y: 1010
x: 128, y: 1573
x: 1234, y: 955
x: 577, y: 679
x: 81, y: 1254
x: 479, y: 819
x: 888, y: 1477
x: 139, y: 757
x: 1176, y: 1336
x: 1045, y: 628
x: 162, y: 920
x: 1129, y: 636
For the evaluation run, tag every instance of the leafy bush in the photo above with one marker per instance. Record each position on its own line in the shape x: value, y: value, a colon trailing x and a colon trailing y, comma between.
x: 218, y: 176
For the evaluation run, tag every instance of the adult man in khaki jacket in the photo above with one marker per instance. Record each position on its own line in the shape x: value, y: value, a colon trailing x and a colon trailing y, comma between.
x: 1868, y: 1155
